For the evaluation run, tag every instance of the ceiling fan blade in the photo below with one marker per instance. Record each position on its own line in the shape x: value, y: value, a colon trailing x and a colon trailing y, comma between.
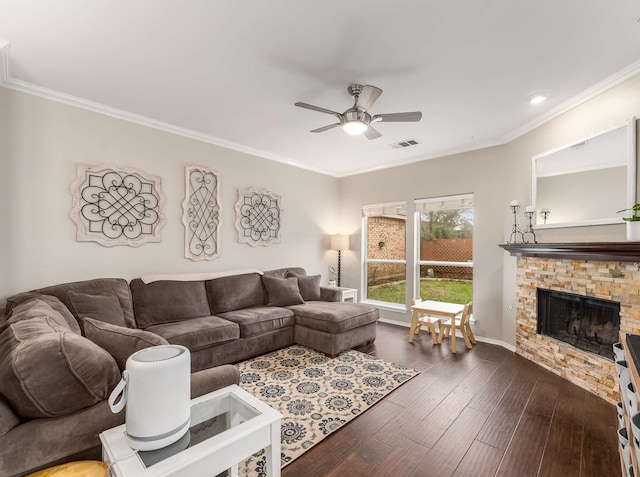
x: 317, y: 108
x: 368, y: 96
x: 398, y: 117
x: 372, y: 133
x: 325, y: 128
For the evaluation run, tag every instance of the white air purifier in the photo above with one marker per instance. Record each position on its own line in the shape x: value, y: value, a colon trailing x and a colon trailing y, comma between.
x: 156, y: 389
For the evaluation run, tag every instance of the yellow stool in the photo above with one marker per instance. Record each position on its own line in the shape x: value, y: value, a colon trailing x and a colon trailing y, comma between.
x: 85, y: 468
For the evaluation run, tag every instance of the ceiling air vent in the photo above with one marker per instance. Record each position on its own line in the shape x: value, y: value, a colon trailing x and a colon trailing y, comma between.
x: 403, y: 144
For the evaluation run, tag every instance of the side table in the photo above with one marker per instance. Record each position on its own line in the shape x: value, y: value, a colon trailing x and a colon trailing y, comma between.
x: 348, y: 294
x: 227, y: 426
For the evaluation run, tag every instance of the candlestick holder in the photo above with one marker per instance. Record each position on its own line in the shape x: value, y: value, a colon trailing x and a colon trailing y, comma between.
x: 515, y: 228
x: 529, y: 228
x: 544, y: 214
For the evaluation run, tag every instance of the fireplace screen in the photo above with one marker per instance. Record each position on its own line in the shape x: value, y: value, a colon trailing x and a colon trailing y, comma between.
x: 590, y: 324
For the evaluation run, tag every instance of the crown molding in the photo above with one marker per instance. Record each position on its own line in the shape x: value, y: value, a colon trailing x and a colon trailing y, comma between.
x: 5, y: 73
x: 624, y: 74
x: 415, y: 159
x: 59, y: 97
x: 53, y: 95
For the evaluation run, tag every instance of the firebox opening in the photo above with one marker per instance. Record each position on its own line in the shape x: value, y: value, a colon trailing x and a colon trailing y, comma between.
x: 591, y: 324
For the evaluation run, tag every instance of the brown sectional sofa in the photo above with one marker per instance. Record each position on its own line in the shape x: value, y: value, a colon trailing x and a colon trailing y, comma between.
x: 222, y: 321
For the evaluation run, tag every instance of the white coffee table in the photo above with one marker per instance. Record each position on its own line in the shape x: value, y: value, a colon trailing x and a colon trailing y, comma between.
x: 227, y: 426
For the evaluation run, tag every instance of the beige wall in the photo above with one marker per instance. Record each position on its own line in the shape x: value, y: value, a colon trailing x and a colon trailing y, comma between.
x: 4, y: 194
x: 481, y: 173
x: 495, y: 176
x: 41, y: 143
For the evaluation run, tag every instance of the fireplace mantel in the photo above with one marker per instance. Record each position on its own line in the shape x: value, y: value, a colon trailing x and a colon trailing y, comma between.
x: 603, y: 251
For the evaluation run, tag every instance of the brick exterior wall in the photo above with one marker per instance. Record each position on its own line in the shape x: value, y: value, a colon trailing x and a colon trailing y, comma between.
x: 386, y: 241
x: 618, y: 281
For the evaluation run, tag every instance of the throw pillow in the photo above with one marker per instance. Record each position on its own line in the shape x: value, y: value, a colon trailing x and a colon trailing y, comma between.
x: 309, y: 286
x: 282, y: 291
x: 100, y: 307
x: 50, y: 300
x: 48, y: 371
x: 34, y: 308
x: 119, y: 341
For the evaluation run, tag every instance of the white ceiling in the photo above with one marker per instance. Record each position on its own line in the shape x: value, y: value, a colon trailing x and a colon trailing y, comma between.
x: 228, y: 72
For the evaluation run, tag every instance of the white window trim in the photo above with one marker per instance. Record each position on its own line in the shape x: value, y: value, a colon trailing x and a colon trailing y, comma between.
x: 365, y: 261
x: 416, y: 241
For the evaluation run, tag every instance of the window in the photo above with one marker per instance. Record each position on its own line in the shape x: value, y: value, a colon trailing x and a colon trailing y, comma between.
x: 385, y: 260
x: 444, y: 245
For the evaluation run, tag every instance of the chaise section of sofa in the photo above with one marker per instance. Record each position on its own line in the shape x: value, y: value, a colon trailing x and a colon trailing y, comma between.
x: 333, y: 327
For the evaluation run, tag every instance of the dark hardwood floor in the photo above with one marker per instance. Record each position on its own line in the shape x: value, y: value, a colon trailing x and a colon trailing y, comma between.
x: 482, y: 412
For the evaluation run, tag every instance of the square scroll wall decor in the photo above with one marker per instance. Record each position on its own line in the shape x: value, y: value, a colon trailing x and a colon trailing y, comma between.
x: 115, y: 205
x: 258, y: 217
x: 201, y: 213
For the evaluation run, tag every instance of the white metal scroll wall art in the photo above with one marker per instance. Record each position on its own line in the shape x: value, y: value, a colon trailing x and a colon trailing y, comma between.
x: 201, y: 213
x: 115, y: 205
x: 258, y: 217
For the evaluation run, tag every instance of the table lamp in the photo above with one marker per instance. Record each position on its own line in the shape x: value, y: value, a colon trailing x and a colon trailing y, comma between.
x: 339, y: 242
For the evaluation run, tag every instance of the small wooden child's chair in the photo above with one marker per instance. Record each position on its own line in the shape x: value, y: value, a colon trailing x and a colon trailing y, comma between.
x: 422, y: 318
x: 463, y: 325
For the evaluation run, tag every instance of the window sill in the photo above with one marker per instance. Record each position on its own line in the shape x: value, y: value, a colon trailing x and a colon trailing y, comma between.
x: 383, y: 305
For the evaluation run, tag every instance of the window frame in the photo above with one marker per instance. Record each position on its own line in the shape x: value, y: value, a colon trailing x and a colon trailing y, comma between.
x: 416, y: 229
x: 365, y: 260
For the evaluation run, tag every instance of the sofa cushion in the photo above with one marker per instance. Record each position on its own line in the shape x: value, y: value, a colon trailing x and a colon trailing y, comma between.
x: 167, y: 301
x: 35, y: 308
x: 198, y: 333
x: 282, y: 272
x: 119, y: 341
x: 104, y: 307
x: 50, y: 300
x: 282, y: 291
x: 309, y: 286
x: 235, y: 292
x: 47, y: 370
x: 116, y: 286
x: 334, y: 317
x: 260, y: 320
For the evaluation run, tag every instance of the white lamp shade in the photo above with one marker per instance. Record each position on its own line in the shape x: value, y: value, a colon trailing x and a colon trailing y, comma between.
x: 339, y: 242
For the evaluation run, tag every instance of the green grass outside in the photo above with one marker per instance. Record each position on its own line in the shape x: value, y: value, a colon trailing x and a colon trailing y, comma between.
x: 451, y: 291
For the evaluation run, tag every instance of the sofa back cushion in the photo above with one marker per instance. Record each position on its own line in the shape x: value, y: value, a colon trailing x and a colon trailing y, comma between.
x: 36, y: 307
x: 166, y: 301
x: 235, y: 292
x: 119, y: 341
x: 282, y: 272
x: 116, y: 286
x: 52, y: 301
x: 104, y: 307
x: 48, y: 371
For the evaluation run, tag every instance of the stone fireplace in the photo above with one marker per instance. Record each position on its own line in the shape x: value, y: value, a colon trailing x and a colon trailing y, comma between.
x: 594, y: 274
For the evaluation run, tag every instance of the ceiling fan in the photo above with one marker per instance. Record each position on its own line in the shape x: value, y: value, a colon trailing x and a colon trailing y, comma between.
x: 356, y: 120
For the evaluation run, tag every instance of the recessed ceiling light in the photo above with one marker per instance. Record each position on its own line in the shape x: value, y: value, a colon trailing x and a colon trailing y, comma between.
x: 537, y: 98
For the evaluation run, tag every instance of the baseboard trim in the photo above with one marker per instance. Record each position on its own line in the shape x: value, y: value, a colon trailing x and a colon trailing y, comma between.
x: 482, y: 339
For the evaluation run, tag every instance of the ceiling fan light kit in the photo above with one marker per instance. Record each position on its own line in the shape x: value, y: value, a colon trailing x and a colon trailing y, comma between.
x: 356, y: 120
x: 354, y: 128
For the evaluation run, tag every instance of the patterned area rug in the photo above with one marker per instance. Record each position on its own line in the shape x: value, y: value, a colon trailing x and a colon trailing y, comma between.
x: 315, y: 394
